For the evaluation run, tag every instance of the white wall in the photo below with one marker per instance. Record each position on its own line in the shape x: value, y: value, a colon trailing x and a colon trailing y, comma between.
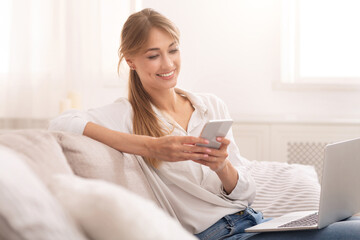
x: 232, y: 48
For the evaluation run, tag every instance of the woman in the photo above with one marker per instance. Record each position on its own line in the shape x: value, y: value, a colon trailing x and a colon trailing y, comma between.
x: 208, y: 189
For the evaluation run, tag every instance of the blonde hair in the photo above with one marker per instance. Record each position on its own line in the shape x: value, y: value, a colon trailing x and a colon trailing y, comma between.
x: 134, y: 36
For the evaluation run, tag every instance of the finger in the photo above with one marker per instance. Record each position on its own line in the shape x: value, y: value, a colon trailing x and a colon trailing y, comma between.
x: 224, y: 143
x: 194, y: 156
x: 196, y: 149
x: 218, y: 153
x: 211, y: 159
x: 202, y: 162
x: 223, y: 140
x: 206, y: 158
x: 193, y: 140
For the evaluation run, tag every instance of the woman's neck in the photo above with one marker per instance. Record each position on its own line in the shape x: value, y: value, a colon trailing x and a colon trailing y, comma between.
x: 175, y: 107
x: 168, y: 101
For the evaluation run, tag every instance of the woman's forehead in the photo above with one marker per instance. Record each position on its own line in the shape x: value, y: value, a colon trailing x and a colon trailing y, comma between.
x: 159, y: 38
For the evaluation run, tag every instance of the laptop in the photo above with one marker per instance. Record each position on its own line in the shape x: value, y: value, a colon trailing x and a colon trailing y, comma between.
x: 339, y: 197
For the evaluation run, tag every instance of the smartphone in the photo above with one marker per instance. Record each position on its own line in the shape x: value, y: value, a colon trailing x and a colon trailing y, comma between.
x: 213, y: 129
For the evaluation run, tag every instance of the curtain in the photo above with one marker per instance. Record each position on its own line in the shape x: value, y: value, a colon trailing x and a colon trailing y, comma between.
x: 53, y: 49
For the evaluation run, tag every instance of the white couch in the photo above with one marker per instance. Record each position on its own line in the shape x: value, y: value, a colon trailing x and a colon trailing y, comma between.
x: 56, y: 185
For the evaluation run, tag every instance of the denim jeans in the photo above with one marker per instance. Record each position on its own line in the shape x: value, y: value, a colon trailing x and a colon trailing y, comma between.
x: 231, y: 227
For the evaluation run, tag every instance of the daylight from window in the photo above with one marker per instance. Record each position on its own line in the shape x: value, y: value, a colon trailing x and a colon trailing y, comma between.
x: 5, y: 18
x: 329, y: 38
x: 321, y: 41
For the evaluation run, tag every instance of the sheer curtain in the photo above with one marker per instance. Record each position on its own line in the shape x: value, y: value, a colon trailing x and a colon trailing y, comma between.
x: 52, y: 47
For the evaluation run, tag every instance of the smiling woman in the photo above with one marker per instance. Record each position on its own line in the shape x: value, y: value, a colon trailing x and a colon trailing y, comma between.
x: 151, y: 58
x: 209, y: 191
x: 162, y: 123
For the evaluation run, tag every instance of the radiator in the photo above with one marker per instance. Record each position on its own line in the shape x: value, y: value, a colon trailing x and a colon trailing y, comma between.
x: 308, y: 153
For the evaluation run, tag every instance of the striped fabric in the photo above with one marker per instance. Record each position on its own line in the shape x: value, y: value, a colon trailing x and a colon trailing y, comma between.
x: 284, y: 188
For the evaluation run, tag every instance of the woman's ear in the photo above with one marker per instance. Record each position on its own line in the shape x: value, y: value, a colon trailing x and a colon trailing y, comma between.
x: 131, y: 64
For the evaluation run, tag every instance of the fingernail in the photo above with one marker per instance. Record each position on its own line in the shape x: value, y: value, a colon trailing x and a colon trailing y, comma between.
x: 218, y: 138
x: 205, y: 155
x: 206, y: 141
x: 208, y: 150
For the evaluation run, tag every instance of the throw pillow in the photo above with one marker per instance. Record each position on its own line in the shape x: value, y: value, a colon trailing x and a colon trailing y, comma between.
x: 283, y: 188
x: 28, y: 211
x: 39, y: 149
x: 107, y: 211
x: 92, y: 159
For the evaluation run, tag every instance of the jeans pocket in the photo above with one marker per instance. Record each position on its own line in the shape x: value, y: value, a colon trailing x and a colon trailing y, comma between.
x: 256, y: 217
x: 230, y: 232
x: 222, y: 228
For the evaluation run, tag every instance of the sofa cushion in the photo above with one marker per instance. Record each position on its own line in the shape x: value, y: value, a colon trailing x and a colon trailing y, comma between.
x: 27, y: 208
x: 116, y: 213
x: 283, y: 188
x: 39, y: 149
x: 91, y: 159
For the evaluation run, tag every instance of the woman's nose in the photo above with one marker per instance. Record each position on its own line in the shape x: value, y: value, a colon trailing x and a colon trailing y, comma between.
x: 168, y: 62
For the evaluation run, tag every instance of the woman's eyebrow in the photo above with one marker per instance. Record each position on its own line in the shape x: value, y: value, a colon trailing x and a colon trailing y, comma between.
x: 157, y: 49
x: 152, y: 49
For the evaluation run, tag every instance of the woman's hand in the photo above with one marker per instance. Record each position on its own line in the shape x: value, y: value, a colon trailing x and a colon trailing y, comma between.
x: 182, y: 148
x: 218, y: 162
x: 217, y: 158
x: 177, y: 148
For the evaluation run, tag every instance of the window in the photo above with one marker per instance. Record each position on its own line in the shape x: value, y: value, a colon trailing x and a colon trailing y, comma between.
x: 5, y: 18
x: 49, y: 48
x: 40, y: 37
x: 320, y: 42
x: 113, y: 17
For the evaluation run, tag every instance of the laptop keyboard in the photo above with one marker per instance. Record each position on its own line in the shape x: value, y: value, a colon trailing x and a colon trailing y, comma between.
x: 306, y: 221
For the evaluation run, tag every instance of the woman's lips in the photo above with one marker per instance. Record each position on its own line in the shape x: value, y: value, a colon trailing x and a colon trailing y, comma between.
x: 167, y: 76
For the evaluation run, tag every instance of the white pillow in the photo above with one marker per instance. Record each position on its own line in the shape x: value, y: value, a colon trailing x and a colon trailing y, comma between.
x: 283, y: 188
x: 89, y: 158
x: 107, y: 211
x: 27, y: 208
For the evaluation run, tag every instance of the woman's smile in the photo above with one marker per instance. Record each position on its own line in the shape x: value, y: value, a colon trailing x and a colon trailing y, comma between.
x: 166, y: 76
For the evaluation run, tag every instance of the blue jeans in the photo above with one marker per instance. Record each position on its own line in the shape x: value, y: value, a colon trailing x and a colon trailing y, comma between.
x: 231, y: 227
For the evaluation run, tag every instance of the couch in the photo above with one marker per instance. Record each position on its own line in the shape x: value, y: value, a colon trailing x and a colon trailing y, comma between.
x: 57, y: 185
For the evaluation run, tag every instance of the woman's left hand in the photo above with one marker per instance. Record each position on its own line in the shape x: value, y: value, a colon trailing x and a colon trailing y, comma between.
x: 217, y: 161
x: 217, y: 158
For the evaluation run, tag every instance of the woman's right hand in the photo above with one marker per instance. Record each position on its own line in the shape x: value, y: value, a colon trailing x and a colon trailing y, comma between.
x: 167, y: 148
x: 177, y: 148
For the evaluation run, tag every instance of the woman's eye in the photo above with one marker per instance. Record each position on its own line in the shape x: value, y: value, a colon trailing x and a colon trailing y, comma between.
x: 153, y: 57
x: 174, y: 50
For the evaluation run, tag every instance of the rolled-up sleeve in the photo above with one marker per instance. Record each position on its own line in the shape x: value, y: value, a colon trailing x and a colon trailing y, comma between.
x: 116, y: 116
x: 245, y: 189
x: 70, y: 121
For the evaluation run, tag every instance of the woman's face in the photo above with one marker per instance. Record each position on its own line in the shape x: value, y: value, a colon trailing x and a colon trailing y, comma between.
x: 158, y: 66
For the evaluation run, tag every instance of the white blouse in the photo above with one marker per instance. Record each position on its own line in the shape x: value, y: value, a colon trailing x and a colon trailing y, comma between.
x: 193, y: 190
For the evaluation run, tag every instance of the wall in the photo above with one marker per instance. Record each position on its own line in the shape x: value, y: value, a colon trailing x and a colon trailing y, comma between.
x: 232, y: 49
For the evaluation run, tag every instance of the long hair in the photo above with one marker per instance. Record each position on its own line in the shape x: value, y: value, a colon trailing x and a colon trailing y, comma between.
x: 134, y: 36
